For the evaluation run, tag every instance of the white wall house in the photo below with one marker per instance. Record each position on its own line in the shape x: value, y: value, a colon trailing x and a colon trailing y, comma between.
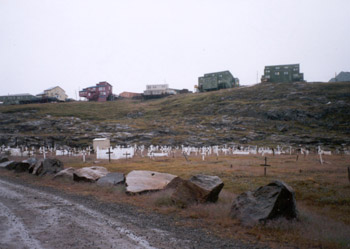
x: 158, y: 89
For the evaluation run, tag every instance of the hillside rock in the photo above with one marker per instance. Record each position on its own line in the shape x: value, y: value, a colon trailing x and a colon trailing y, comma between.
x: 111, y: 179
x: 139, y: 181
x: 274, y: 200
x: 89, y: 174
x: 7, y: 165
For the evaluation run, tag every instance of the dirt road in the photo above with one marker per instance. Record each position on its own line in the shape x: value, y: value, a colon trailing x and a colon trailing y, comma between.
x: 41, y: 217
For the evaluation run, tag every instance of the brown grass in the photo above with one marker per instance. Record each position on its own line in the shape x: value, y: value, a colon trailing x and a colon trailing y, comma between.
x: 322, y: 193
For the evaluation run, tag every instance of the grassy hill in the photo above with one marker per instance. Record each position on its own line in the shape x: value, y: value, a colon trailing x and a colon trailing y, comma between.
x: 264, y: 114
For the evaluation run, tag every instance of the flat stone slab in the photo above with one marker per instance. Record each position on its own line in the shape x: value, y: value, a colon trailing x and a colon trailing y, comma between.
x: 139, y: 181
x: 111, y: 179
x: 89, y: 174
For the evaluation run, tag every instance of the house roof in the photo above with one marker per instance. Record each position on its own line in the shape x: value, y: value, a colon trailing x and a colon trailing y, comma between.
x: 14, y: 95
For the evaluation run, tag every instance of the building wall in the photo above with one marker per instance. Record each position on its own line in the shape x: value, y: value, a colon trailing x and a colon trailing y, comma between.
x: 282, y: 73
x: 102, y: 144
x: 56, y: 92
x: 161, y: 89
x: 216, y: 81
x: 15, y: 99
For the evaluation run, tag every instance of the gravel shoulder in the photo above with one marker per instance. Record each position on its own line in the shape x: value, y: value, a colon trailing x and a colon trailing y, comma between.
x: 34, y: 216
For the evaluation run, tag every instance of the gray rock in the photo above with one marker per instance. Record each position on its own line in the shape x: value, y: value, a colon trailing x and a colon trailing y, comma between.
x: 7, y: 164
x: 89, y: 174
x: 47, y: 166
x: 3, y: 159
x: 199, y: 189
x: 16, y: 166
x: 212, y: 186
x: 274, y: 200
x: 65, y: 174
x: 111, y: 179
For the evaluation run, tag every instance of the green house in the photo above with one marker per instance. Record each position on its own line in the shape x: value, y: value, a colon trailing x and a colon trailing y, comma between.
x: 282, y: 73
x: 217, y: 81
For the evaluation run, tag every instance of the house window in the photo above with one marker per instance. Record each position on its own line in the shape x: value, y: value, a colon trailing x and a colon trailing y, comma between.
x: 286, y: 67
x: 277, y: 68
x: 101, y: 88
x: 267, y: 71
x: 277, y: 73
x: 285, y: 73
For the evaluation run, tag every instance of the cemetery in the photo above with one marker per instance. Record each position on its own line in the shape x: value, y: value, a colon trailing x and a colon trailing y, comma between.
x: 185, y: 178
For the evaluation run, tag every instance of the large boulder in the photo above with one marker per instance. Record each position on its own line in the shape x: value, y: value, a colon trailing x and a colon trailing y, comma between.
x: 89, y: 174
x: 199, y: 189
x: 47, y: 166
x: 16, y: 166
x: 32, y: 162
x: 274, y: 200
x: 7, y: 165
x: 211, y: 185
x: 65, y: 174
x: 111, y: 179
x: 139, y: 181
x: 3, y: 159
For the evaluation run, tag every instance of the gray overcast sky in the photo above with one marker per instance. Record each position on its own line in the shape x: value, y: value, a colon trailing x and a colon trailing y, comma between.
x: 131, y: 43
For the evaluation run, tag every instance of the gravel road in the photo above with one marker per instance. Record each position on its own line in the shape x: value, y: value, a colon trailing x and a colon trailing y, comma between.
x: 41, y: 217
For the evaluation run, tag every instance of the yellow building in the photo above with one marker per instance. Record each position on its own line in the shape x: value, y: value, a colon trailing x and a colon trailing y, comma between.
x: 55, y: 92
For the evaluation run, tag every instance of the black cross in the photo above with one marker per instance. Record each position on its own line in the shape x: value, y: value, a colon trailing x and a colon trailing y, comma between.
x: 126, y: 155
x: 265, y: 165
x: 109, y: 154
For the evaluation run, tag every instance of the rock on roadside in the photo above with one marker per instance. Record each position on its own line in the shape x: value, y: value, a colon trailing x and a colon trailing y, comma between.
x: 199, y: 189
x: 89, y: 174
x: 274, y: 200
x: 65, y: 174
x: 139, y: 181
x: 111, y: 179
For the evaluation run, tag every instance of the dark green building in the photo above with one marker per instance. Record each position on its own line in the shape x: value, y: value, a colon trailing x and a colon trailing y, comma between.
x: 282, y: 73
x: 217, y: 81
x: 16, y: 98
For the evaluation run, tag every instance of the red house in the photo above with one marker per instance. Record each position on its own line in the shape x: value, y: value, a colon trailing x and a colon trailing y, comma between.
x: 101, y: 92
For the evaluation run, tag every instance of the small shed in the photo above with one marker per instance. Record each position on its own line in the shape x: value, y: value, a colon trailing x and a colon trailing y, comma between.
x: 102, y: 143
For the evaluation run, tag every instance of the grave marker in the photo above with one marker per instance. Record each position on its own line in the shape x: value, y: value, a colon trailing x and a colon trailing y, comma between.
x: 109, y: 154
x: 265, y: 165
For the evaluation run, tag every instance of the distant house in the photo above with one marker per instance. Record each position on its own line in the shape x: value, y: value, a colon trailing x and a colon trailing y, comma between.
x: 129, y: 95
x: 158, y: 91
x: 282, y: 73
x: 217, y: 81
x: 54, y: 92
x: 16, y: 98
x: 101, y: 92
x: 341, y: 77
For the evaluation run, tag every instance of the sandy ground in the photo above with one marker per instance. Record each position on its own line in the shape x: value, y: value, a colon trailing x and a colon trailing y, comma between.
x: 41, y: 217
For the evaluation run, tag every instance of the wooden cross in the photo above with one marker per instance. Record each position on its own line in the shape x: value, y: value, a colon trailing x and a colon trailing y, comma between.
x: 265, y: 165
x: 109, y: 154
x: 126, y: 154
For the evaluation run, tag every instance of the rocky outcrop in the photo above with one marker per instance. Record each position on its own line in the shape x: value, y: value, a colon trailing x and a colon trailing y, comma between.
x: 274, y: 200
x: 199, y: 189
x: 139, y: 181
x: 89, y: 174
x: 111, y: 179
